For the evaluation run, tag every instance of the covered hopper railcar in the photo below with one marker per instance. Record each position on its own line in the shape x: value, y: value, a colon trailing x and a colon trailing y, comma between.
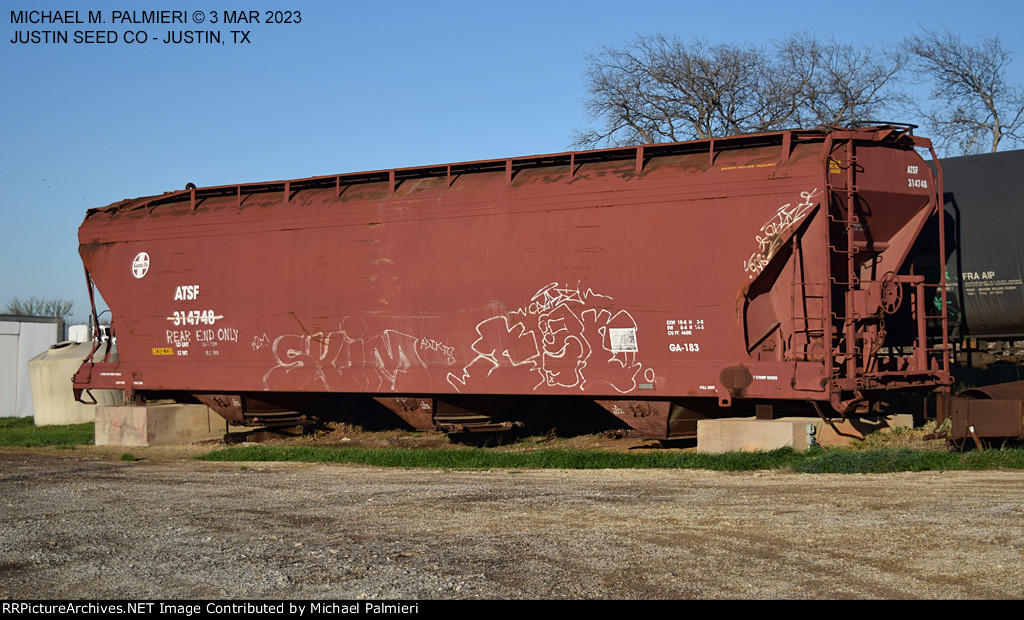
x: 665, y: 282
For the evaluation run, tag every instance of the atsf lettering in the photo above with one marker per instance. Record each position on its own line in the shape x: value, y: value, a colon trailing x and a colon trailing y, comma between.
x: 186, y: 292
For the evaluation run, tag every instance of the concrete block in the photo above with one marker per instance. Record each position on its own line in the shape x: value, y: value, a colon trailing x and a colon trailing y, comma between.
x: 157, y: 425
x: 751, y: 434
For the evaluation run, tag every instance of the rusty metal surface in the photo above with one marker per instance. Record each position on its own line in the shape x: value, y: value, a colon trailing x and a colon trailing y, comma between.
x: 417, y: 412
x: 983, y: 413
x: 749, y: 268
x: 987, y: 418
x: 1011, y: 390
x: 650, y: 417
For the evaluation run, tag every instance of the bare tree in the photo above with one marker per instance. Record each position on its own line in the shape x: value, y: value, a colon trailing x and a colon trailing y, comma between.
x: 972, y: 104
x: 834, y: 83
x: 660, y: 88
x: 34, y: 306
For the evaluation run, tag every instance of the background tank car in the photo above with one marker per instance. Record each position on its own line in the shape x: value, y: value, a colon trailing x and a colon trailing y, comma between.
x: 984, y: 224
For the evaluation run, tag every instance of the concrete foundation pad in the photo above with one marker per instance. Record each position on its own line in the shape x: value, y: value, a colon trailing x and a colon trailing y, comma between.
x: 157, y: 425
x: 751, y: 434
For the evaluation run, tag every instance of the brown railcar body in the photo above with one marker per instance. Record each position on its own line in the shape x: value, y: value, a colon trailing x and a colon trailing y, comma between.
x: 665, y: 282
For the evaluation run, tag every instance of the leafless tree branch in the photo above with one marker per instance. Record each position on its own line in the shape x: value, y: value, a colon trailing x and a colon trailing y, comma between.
x: 34, y: 306
x: 661, y: 88
x: 971, y: 101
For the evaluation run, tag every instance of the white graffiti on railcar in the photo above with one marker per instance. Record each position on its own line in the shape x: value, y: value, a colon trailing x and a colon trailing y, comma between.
x: 773, y: 232
x: 553, y: 294
x: 433, y: 345
x: 579, y: 346
x: 338, y: 362
x: 501, y: 345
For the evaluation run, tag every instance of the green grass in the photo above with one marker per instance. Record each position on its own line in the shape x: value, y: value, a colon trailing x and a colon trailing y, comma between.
x: 813, y: 461
x: 23, y: 432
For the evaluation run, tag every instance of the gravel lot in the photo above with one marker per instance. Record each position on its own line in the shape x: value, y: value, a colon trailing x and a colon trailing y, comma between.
x: 81, y: 526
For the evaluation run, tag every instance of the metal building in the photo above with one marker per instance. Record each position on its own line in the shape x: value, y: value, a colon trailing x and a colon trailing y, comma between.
x: 21, y: 339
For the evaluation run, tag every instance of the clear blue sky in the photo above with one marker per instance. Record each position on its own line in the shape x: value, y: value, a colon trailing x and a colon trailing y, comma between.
x: 355, y: 86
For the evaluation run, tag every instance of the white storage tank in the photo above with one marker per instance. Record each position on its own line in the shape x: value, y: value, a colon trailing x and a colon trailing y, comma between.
x: 51, y: 373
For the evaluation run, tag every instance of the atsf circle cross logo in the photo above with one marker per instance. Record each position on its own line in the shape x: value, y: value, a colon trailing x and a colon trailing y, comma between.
x: 140, y: 266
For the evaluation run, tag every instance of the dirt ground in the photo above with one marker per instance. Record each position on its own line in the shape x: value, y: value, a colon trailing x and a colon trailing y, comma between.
x: 339, y: 435
x: 342, y: 435
x: 83, y: 524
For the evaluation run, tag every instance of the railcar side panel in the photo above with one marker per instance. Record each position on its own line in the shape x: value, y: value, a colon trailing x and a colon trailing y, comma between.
x: 744, y: 268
